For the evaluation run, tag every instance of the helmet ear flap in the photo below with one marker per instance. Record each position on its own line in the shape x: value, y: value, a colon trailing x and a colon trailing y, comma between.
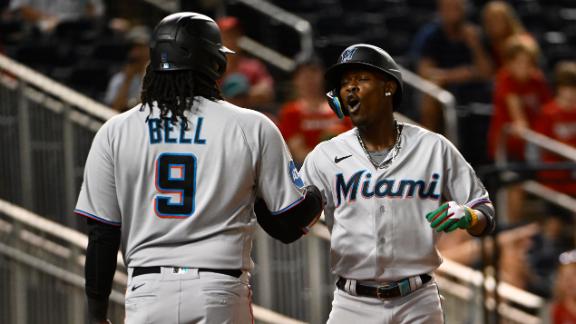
x: 335, y: 104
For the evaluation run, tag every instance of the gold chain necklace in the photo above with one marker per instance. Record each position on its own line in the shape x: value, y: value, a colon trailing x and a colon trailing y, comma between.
x: 396, y: 148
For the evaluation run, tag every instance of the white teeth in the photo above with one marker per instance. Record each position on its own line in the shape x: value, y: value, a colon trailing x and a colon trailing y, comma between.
x: 352, y: 108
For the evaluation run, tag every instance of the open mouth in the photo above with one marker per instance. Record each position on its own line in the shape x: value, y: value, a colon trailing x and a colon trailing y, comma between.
x: 353, y: 103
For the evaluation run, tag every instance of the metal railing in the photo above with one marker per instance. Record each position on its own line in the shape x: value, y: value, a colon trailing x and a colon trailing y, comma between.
x: 444, y: 97
x: 277, y: 14
x: 534, y: 138
x: 46, y: 133
x: 34, y: 246
x: 543, y: 143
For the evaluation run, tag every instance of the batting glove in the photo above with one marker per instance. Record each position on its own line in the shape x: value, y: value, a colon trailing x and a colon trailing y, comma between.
x: 451, y: 216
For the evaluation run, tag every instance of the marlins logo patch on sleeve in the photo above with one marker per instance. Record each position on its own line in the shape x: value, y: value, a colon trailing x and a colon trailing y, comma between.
x: 294, y: 175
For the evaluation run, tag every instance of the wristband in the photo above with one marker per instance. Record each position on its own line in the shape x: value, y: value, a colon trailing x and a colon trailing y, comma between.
x: 473, y: 216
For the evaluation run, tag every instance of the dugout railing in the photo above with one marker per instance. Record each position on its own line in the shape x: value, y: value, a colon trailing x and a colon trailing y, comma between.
x: 42, y: 275
x: 41, y: 272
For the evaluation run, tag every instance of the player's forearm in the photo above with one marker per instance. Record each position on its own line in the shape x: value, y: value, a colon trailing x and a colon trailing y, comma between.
x: 100, y: 265
x: 290, y: 225
x: 485, y: 224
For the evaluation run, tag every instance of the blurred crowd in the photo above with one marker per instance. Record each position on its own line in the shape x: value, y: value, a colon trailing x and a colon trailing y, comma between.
x: 487, y: 58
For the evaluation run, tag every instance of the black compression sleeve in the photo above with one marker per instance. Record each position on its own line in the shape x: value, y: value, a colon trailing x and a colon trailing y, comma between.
x: 291, y: 224
x: 307, y: 211
x: 103, y: 245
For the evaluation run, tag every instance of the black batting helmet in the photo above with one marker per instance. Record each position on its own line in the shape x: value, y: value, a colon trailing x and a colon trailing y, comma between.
x: 188, y: 41
x: 366, y: 56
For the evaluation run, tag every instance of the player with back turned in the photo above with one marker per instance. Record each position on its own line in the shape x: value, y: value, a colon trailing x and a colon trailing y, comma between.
x: 173, y: 182
x: 390, y: 189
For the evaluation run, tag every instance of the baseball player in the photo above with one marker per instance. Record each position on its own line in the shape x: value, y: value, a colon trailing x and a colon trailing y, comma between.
x: 173, y: 182
x: 390, y: 189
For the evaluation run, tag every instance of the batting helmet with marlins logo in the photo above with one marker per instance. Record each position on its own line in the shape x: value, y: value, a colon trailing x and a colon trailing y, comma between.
x: 364, y: 56
x: 188, y: 41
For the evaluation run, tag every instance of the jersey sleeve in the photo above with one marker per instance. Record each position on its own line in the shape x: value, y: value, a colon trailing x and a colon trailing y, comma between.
x: 97, y: 199
x: 277, y: 179
x: 311, y: 174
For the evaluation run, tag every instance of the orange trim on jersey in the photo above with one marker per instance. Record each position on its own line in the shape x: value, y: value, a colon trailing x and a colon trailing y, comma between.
x: 96, y: 218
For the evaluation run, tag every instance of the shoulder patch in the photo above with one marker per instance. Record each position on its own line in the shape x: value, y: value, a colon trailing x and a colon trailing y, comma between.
x: 294, y: 175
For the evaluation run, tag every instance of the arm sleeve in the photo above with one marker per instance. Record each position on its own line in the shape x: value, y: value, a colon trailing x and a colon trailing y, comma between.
x: 293, y: 223
x: 277, y: 180
x: 97, y: 199
x: 100, y: 265
x: 463, y: 186
x: 311, y: 174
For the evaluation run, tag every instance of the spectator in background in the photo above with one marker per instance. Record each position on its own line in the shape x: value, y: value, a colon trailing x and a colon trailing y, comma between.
x: 47, y: 14
x: 500, y: 22
x: 307, y: 119
x: 123, y: 90
x: 558, y: 121
x: 241, y: 68
x: 451, y: 55
x: 514, y: 267
x: 236, y: 88
x: 564, y: 306
x: 519, y: 93
x: 555, y: 236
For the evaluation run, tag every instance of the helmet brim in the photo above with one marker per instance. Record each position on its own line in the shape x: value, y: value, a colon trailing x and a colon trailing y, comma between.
x: 335, y: 72
x: 226, y: 50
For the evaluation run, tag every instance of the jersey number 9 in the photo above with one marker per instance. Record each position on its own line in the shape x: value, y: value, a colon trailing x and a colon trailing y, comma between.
x: 175, y: 175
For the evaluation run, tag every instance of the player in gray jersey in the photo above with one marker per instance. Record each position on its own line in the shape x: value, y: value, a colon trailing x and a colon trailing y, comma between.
x: 173, y: 182
x: 390, y: 189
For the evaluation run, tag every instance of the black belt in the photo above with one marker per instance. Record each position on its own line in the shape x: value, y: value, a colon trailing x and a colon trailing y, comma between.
x: 144, y: 270
x: 389, y: 290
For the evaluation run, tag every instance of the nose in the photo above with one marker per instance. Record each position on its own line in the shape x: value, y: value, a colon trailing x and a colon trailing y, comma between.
x: 352, y: 86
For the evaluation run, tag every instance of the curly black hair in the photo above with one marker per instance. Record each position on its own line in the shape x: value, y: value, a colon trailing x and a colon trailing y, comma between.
x: 174, y: 91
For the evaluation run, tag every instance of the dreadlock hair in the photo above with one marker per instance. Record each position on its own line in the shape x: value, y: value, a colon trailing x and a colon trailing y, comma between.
x: 174, y: 91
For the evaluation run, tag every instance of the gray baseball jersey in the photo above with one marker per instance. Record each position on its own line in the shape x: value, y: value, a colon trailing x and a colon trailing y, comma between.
x: 377, y: 216
x: 184, y: 197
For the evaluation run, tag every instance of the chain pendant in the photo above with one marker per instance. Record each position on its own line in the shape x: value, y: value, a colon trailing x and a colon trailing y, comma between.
x: 385, y: 164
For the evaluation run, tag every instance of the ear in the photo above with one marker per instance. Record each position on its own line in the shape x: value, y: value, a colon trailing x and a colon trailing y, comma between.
x: 390, y: 86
